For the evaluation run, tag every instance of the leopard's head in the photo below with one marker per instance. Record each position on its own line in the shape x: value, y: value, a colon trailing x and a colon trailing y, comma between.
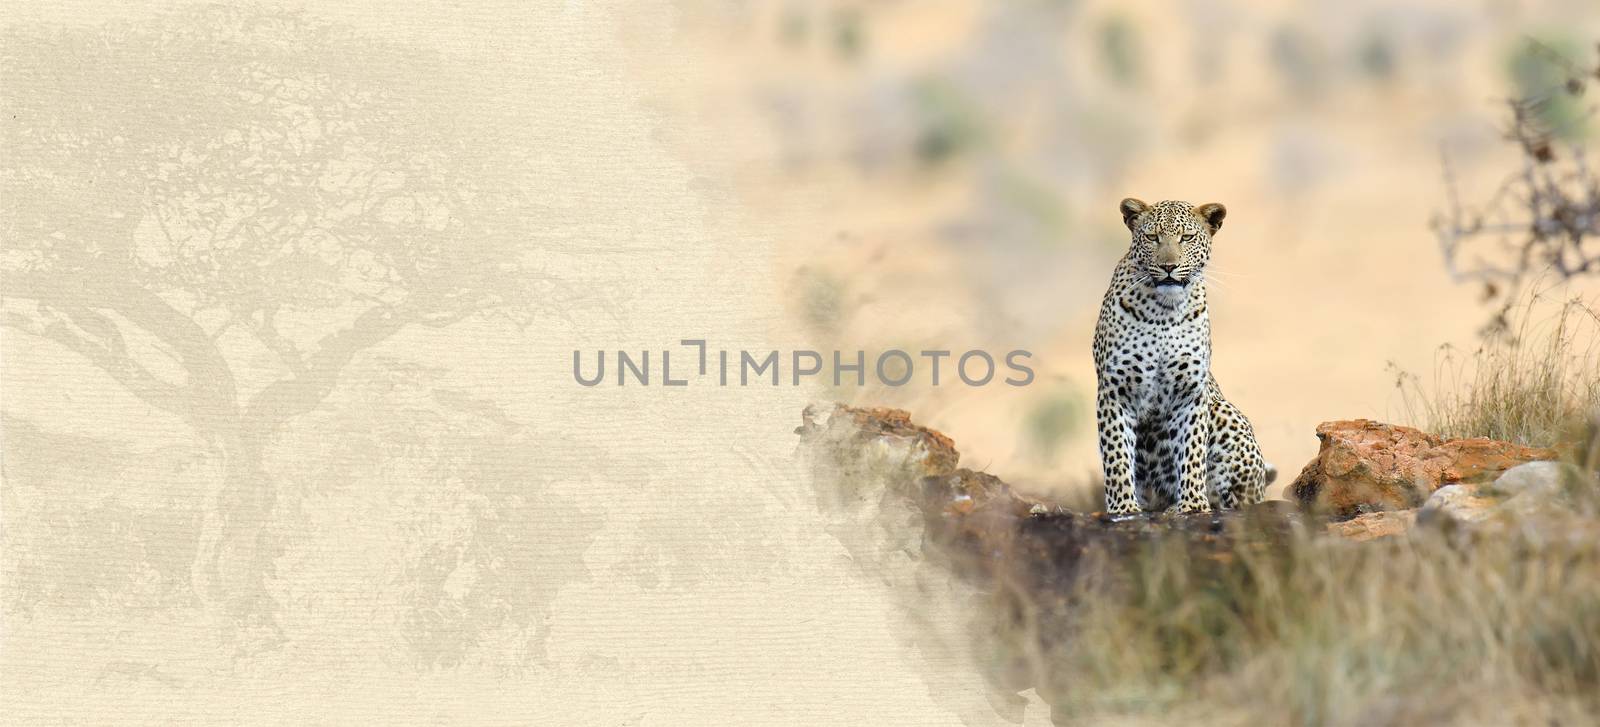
x: 1171, y: 241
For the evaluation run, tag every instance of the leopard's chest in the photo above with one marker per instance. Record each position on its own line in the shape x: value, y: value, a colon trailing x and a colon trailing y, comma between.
x: 1153, y: 363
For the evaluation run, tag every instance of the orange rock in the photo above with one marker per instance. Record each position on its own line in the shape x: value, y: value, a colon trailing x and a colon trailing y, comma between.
x: 936, y: 452
x: 1374, y: 525
x: 1367, y: 466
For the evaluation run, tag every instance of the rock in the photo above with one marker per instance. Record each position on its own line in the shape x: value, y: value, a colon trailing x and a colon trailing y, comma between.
x: 1530, y: 498
x: 1374, y: 525
x: 1552, y: 488
x: 1367, y: 466
x: 1544, y: 479
x: 891, y: 488
x: 888, y: 429
x: 1462, y: 503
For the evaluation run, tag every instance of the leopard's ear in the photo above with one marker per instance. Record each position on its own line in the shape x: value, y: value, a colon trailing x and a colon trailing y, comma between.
x: 1131, y: 209
x: 1212, y: 213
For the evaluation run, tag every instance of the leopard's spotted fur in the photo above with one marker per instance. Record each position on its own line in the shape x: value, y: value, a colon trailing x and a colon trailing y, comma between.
x: 1167, y: 435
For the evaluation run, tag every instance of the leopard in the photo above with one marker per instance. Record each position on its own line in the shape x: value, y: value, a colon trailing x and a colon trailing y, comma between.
x: 1169, y: 439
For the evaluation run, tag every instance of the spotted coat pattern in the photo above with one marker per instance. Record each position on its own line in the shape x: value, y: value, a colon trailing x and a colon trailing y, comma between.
x: 1167, y: 435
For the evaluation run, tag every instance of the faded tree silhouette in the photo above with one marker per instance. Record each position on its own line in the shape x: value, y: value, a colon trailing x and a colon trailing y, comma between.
x: 478, y: 531
x: 194, y: 192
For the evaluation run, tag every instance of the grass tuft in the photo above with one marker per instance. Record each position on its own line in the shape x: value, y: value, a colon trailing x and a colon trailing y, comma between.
x: 1533, y: 380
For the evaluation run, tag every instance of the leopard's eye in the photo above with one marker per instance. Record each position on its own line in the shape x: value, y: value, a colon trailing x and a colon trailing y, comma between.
x: 1151, y: 237
x: 1188, y: 237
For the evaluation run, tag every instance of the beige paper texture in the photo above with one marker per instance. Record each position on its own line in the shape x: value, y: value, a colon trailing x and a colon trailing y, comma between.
x: 290, y: 430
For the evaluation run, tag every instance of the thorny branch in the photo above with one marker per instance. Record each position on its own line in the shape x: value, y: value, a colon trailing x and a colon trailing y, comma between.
x: 1545, y: 217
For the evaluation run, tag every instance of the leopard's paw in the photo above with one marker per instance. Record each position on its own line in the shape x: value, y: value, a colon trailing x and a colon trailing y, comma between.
x: 1115, y: 509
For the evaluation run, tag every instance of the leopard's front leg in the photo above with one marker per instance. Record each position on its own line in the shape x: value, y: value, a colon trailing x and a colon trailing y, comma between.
x: 1194, y: 428
x: 1117, y: 441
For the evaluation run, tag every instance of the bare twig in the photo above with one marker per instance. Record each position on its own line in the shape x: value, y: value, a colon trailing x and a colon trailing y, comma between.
x: 1545, y: 217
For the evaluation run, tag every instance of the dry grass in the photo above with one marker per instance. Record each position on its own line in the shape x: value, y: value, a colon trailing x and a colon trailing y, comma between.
x: 1534, y: 380
x: 1411, y: 631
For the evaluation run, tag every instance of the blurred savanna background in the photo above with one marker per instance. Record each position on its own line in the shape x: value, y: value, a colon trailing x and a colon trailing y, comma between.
x: 945, y: 176
x: 1411, y: 238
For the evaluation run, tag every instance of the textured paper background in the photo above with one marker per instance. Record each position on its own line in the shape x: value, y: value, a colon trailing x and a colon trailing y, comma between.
x: 263, y: 462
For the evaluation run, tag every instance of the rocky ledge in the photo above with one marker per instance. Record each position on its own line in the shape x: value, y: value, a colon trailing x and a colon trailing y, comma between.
x: 1001, y: 575
x: 875, y: 467
x: 893, y: 488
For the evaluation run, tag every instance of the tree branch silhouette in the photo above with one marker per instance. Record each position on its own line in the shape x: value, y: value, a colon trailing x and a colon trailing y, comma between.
x: 218, y: 179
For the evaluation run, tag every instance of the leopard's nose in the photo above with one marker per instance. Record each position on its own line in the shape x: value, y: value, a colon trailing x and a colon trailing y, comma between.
x: 1167, y: 269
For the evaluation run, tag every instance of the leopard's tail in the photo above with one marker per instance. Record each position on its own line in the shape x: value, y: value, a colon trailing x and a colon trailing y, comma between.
x: 1272, y: 472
